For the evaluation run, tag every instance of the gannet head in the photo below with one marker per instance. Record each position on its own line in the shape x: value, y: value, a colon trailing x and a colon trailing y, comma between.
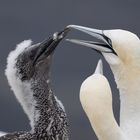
x: 28, y: 60
x: 96, y: 100
x: 120, y: 48
x: 125, y: 44
x: 95, y: 93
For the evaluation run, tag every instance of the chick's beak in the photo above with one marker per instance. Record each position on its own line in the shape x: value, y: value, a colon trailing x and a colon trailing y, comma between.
x: 48, y: 46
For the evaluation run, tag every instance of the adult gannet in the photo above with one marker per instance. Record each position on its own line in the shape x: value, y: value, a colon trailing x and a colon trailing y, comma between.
x: 121, y: 50
x: 96, y: 100
x: 28, y: 73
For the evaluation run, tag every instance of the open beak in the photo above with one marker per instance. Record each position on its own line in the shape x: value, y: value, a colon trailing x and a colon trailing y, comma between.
x: 48, y: 46
x: 104, y: 46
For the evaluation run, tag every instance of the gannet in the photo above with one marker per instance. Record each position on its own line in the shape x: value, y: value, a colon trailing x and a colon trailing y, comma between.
x: 28, y: 74
x: 121, y: 50
x: 96, y: 100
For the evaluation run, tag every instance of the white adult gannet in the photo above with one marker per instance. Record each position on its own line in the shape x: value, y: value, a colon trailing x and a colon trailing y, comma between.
x: 121, y: 50
x: 96, y: 100
x: 28, y: 73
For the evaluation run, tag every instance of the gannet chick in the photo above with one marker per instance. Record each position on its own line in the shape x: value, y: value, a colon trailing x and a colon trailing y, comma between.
x: 28, y: 73
x: 121, y: 50
x: 96, y: 100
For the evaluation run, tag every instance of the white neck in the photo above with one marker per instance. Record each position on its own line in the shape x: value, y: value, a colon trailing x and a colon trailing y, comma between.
x: 129, y: 88
x: 24, y: 95
x: 130, y: 111
x: 96, y: 100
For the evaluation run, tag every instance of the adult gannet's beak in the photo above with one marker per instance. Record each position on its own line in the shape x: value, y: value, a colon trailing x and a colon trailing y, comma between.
x: 105, y: 46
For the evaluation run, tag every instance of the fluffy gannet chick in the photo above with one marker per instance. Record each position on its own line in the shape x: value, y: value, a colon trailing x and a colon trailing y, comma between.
x: 96, y: 100
x: 121, y: 50
x: 28, y: 73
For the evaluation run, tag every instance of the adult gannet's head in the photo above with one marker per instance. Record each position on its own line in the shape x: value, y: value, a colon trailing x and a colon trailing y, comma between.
x: 120, y: 48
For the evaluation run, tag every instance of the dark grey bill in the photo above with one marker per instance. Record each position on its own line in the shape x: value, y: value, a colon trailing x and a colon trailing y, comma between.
x: 48, y: 46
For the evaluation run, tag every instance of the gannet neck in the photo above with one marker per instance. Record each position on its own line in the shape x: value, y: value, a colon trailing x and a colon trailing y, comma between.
x: 130, y: 106
x: 96, y: 100
x: 130, y: 115
x: 21, y: 89
x: 49, y: 111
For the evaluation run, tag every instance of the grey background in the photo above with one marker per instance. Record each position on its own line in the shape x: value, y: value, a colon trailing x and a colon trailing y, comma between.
x: 37, y: 19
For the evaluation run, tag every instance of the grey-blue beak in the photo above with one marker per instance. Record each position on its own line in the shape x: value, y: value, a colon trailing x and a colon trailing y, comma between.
x: 104, y: 46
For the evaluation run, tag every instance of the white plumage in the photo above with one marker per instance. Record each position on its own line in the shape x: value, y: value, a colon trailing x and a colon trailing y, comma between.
x: 96, y: 100
x: 22, y: 90
x: 121, y: 50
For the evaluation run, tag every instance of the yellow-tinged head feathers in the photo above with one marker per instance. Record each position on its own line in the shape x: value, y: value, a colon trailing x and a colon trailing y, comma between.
x: 126, y: 45
x: 118, y: 46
